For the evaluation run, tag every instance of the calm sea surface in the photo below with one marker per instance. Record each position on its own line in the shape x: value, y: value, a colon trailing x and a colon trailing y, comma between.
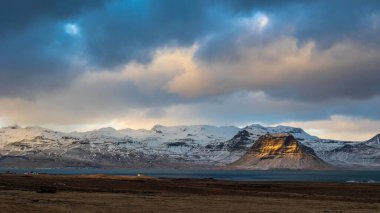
x: 372, y: 176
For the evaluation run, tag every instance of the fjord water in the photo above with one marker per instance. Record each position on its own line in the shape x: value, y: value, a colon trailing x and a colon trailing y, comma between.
x: 360, y: 176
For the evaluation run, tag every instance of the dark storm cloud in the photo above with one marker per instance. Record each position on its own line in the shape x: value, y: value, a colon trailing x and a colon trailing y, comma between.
x: 360, y: 81
x: 326, y: 24
x: 248, y: 107
x: 65, y: 62
x: 17, y: 15
x: 36, y: 54
x: 132, y: 30
x: 35, y: 61
x: 321, y: 21
x: 330, y: 22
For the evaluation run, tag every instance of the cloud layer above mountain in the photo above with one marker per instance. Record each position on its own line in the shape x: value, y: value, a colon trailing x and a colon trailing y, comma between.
x: 135, y: 63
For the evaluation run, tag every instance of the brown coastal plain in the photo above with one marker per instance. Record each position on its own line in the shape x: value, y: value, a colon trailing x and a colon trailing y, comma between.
x: 102, y: 193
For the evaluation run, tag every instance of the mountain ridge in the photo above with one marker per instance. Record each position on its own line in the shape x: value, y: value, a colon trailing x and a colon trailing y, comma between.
x: 195, y: 145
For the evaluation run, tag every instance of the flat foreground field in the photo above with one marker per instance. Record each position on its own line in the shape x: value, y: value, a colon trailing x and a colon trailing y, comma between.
x: 101, y: 193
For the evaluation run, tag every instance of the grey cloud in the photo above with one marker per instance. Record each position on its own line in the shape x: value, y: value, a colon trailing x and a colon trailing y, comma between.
x: 326, y: 25
x: 38, y: 57
x: 247, y: 107
x: 359, y: 81
x: 35, y: 53
x: 130, y: 30
x: 114, y: 33
x: 17, y: 15
x: 330, y: 22
x: 36, y: 61
x: 324, y: 22
x: 345, y: 71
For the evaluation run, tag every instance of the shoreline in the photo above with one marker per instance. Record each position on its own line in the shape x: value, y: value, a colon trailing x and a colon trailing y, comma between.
x: 278, y: 175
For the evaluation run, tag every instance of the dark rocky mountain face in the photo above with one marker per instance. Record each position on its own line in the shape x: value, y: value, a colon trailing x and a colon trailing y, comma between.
x: 279, y: 151
x: 239, y: 141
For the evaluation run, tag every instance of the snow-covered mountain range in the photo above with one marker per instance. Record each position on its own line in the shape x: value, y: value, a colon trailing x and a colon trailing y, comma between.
x: 162, y: 146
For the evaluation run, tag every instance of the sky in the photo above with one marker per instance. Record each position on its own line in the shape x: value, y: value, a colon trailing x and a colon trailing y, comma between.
x: 79, y: 65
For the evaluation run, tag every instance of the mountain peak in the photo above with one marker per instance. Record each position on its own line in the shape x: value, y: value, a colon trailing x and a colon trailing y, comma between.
x: 15, y: 126
x: 107, y: 129
x: 375, y: 139
x: 279, y: 151
x: 256, y: 126
x: 156, y: 127
x: 289, y: 128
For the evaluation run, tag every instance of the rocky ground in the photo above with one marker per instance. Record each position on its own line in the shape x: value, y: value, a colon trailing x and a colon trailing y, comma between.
x: 101, y: 193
